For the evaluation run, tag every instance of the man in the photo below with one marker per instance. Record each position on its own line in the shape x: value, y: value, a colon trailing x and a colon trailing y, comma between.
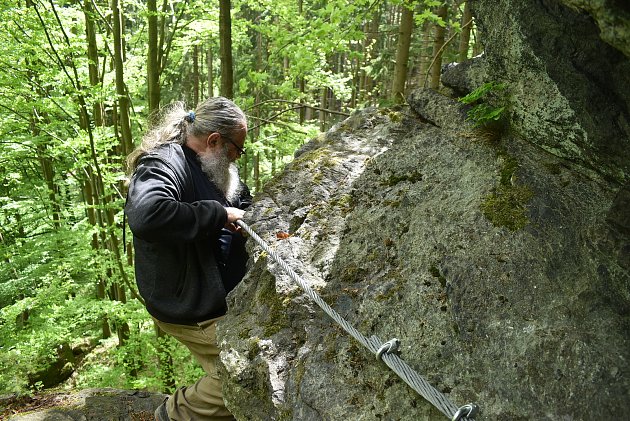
x: 184, y: 199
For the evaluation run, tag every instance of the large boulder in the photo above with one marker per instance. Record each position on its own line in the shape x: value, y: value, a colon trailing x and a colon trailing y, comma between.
x: 503, y: 270
x: 499, y: 257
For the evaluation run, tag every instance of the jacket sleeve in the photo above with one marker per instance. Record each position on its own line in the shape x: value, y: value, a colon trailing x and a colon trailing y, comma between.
x: 156, y: 212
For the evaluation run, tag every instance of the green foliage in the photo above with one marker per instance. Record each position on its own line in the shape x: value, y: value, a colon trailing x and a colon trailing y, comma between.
x: 113, y: 365
x: 483, y: 100
x: 61, y: 171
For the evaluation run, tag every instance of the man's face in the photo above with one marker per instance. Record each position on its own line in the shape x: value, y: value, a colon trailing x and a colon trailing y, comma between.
x: 236, y: 143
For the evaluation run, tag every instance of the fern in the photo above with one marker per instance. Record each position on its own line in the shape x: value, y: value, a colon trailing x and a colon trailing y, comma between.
x: 482, y: 111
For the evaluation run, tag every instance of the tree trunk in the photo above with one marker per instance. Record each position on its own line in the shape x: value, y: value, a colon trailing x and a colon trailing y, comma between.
x: 123, y: 101
x: 195, y: 75
x: 464, y: 38
x: 126, y: 147
x: 438, y: 43
x: 370, y: 49
x: 48, y: 171
x: 425, y: 55
x: 210, y: 72
x: 322, y: 105
x: 153, y: 69
x: 402, y: 55
x: 257, y: 171
x: 225, y: 47
x: 88, y: 193
x: 92, y: 50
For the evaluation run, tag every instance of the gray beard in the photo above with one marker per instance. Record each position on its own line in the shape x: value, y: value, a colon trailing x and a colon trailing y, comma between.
x: 222, y: 172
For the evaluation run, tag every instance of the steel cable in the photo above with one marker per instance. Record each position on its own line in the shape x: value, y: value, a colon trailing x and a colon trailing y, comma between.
x: 374, y: 344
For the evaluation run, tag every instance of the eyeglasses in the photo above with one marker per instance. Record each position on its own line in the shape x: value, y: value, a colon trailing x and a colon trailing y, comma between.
x: 241, y: 151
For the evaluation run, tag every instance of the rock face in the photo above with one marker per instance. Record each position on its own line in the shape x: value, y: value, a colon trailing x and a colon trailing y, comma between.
x: 500, y: 260
x: 567, y: 90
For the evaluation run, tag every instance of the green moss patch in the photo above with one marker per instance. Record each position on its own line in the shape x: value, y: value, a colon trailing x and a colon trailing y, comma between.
x: 505, y: 207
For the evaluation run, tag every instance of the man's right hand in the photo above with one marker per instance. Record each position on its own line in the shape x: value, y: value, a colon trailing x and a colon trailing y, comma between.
x: 233, y: 215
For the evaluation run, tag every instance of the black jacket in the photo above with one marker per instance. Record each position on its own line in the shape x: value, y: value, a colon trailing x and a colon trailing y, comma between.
x: 177, y: 217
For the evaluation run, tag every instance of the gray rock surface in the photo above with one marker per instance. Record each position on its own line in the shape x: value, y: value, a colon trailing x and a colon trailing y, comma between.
x: 567, y: 90
x: 465, y: 77
x: 407, y: 230
x: 612, y: 19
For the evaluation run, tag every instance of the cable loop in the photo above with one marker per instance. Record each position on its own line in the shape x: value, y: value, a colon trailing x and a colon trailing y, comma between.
x: 387, y: 348
x: 466, y: 411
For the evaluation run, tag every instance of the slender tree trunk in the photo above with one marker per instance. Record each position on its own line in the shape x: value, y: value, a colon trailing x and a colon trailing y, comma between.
x: 88, y: 193
x: 438, y: 43
x: 371, y: 51
x: 244, y: 164
x: 153, y: 69
x: 301, y: 79
x: 126, y: 147
x: 302, y: 87
x: 48, y: 171
x: 402, y: 55
x: 464, y: 39
x: 257, y: 113
x: 162, y: 36
x: 425, y: 55
x: 356, y: 78
x: 257, y: 171
x: 92, y: 50
x: 195, y: 75
x: 121, y: 91
x: 225, y: 38
x: 323, y: 95
x: 210, y: 71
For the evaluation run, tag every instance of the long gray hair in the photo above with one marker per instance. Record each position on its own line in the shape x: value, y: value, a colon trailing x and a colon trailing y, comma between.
x: 174, y: 123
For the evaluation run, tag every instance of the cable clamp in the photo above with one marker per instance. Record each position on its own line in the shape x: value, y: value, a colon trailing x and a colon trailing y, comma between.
x: 387, y: 348
x: 466, y: 411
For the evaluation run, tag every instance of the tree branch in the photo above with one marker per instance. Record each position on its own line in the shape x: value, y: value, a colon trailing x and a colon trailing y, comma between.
x: 299, y: 105
x: 279, y: 123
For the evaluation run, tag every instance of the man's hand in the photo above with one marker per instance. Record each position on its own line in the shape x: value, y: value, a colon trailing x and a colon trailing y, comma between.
x: 233, y: 215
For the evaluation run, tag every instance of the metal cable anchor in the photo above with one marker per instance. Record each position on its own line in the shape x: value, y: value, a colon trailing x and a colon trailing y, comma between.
x: 466, y: 411
x: 387, y: 348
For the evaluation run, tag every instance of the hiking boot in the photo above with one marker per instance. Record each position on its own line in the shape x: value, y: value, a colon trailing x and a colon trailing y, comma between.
x: 160, y: 413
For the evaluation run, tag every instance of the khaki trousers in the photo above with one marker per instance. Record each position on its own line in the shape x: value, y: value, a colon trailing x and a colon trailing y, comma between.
x: 204, y: 399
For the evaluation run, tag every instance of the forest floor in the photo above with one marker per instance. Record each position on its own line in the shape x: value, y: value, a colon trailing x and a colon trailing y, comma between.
x: 90, y: 404
x: 11, y: 405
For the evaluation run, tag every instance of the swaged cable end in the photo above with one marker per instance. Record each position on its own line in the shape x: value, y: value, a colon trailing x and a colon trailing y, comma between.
x: 466, y: 412
x: 387, y: 348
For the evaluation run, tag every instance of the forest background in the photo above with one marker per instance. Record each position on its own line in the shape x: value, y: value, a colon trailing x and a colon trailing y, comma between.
x: 80, y: 81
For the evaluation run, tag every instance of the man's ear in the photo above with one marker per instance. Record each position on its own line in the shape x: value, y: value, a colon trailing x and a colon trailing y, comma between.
x: 213, y: 139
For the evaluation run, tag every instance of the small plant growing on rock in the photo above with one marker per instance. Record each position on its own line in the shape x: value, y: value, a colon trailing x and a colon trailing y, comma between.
x: 483, y: 111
